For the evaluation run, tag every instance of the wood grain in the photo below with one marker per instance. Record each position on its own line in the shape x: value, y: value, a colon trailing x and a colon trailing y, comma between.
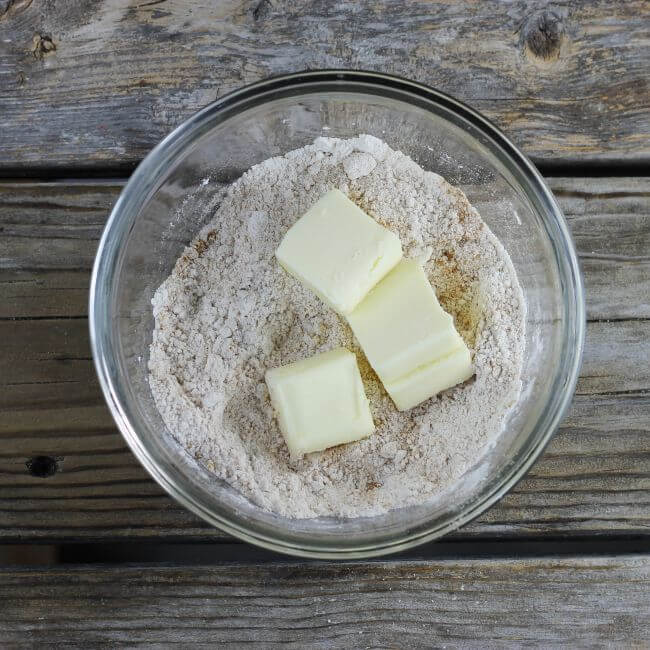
x: 99, y: 83
x: 49, y: 232
x: 508, y: 603
x: 593, y: 478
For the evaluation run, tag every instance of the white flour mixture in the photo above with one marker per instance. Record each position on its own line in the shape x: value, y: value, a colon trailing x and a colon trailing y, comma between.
x: 228, y: 312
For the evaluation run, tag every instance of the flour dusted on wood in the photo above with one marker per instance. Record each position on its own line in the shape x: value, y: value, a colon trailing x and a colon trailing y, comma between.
x: 228, y: 312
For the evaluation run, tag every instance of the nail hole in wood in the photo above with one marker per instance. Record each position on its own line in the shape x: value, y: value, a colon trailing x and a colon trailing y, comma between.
x: 42, y: 466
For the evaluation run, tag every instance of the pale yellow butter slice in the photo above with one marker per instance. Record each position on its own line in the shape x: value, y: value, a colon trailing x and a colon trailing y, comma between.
x: 408, y: 338
x: 428, y: 380
x: 338, y: 251
x: 320, y: 402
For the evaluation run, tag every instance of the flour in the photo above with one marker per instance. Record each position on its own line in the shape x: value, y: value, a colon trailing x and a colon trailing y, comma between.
x: 228, y: 312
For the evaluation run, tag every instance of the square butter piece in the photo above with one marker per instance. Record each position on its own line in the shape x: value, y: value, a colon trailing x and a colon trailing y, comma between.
x: 320, y: 402
x: 407, y: 335
x: 338, y: 251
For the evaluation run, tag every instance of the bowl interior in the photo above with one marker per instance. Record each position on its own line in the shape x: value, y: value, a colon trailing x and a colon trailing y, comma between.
x: 163, y: 208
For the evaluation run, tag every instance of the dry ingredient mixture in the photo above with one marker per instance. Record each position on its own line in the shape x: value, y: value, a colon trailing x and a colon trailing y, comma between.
x: 228, y: 312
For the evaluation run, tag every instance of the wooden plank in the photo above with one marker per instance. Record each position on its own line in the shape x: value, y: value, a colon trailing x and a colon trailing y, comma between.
x: 90, y: 84
x: 49, y: 232
x: 47, y: 362
x: 609, y: 219
x: 48, y: 238
x: 494, y: 603
x: 593, y: 477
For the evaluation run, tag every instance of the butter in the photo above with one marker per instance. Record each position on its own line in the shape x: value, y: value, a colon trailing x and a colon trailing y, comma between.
x: 409, y: 340
x: 429, y: 379
x: 338, y: 251
x: 320, y: 402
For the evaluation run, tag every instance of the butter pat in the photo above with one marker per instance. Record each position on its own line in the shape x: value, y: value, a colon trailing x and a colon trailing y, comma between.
x: 338, y: 251
x: 320, y: 402
x: 408, y: 338
x: 428, y: 380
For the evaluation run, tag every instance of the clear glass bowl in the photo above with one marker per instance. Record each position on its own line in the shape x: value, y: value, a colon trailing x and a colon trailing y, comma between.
x: 144, y: 237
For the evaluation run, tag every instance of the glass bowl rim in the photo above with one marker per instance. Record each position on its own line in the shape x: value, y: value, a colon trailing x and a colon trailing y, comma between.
x: 145, y: 178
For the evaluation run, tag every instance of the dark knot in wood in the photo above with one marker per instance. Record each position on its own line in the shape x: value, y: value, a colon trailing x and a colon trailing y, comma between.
x: 542, y: 35
x: 262, y: 10
x: 42, y: 466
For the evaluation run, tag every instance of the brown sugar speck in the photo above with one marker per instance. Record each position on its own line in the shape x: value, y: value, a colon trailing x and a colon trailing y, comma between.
x: 455, y: 292
x: 463, y: 212
x: 200, y: 246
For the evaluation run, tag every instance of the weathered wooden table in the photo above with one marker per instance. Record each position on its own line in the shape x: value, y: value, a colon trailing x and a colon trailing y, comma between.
x: 86, y: 89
